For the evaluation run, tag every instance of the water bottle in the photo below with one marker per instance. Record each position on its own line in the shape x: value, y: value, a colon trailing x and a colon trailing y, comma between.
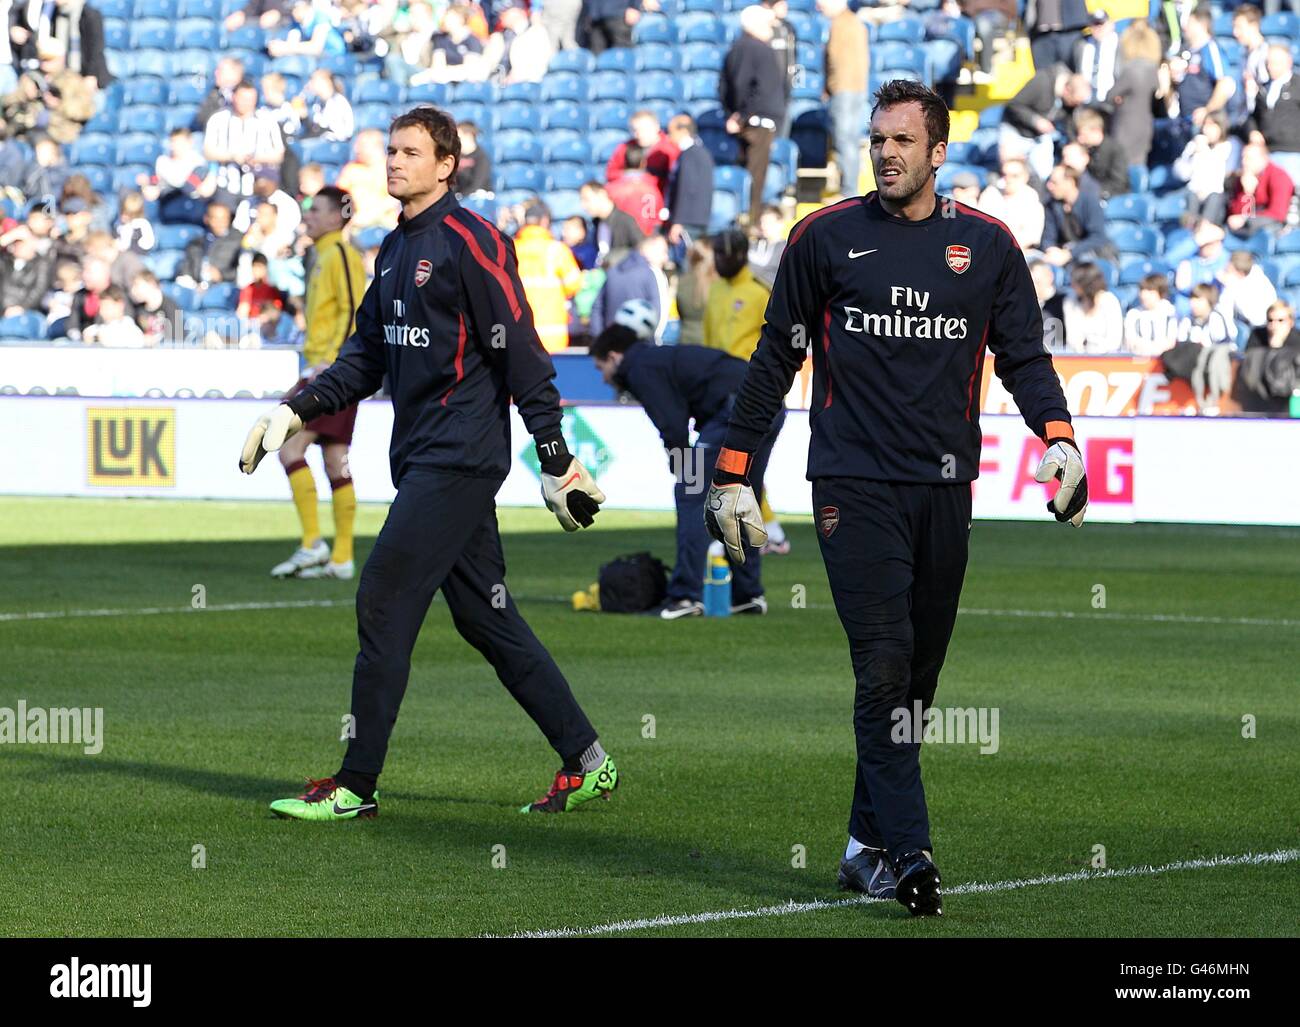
x: 1295, y: 403
x: 717, y: 583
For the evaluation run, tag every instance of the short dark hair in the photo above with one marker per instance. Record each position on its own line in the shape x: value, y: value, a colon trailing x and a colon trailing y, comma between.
x: 634, y: 156
x: 245, y: 83
x: 340, y: 198
x: 1250, y: 12
x: 614, y: 339
x: 441, y: 127
x: 1089, y: 279
x: 1155, y: 282
x: 260, y: 258
x: 901, y: 90
x: 1207, y: 291
x: 469, y: 127
x: 113, y: 292
x: 1203, y: 14
x: 145, y: 275
x: 536, y: 213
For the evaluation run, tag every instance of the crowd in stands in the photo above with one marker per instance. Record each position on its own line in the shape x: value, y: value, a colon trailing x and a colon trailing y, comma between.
x: 154, y: 154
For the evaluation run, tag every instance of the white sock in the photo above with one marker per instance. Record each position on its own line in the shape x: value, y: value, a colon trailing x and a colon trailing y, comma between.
x: 854, y: 848
x: 775, y: 533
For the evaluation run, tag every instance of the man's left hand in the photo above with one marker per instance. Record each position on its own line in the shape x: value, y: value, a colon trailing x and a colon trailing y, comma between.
x: 574, y: 497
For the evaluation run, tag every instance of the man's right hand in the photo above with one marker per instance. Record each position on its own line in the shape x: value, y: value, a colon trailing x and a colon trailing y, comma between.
x: 268, y: 435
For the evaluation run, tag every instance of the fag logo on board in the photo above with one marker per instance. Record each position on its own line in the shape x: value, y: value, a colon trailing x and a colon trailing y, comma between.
x: 958, y: 258
x: 828, y: 519
x: 422, y: 272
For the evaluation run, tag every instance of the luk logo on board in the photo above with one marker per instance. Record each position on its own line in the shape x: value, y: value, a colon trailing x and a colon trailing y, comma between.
x: 128, y: 446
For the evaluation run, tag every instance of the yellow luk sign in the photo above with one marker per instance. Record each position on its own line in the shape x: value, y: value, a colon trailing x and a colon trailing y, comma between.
x: 131, y: 446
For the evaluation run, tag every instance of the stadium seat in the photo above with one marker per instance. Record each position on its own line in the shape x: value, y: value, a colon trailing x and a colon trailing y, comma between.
x: 904, y: 30
x: 957, y: 30
x: 617, y: 59
x: 609, y: 85
x: 521, y: 92
x: 138, y: 148
x: 376, y: 115
x: 484, y: 207
x: 1132, y: 271
x: 700, y: 85
x: 783, y: 167
x: 812, y: 27
x: 246, y: 37
x: 519, y: 176
x: 896, y: 57
x: 991, y: 116
x: 566, y: 115
x: 1170, y: 207
x: 944, y: 58
x: 603, y: 145
x: 186, y: 299
x: 726, y: 206
x: 164, y: 263
x: 810, y: 130
x: 100, y: 177
x: 1283, y: 26
x: 658, y: 85
x: 117, y: 34
x: 512, y: 146
x: 722, y: 146
x: 125, y: 176
x: 30, y: 324
x: 943, y: 180
x: 167, y: 9
x: 1135, y: 239
x: 568, y: 150
x: 963, y: 153
x: 437, y: 93
x: 376, y: 90
x: 808, y: 85
x: 563, y: 203
x: 198, y: 34
x: 176, y: 237
x: 656, y: 57
x: 701, y: 29
x: 152, y: 91
x: 369, y: 238
x: 152, y: 33
x: 1109, y: 270
x: 220, y: 296
x: 325, y: 151
x: 475, y: 112
x: 653, y: 29
x: 118, y: 10
x: 182, y: 115
x: 94, y: 149
x: 564, y: 85
x: 699, y: 6
x: 186, y: 91
x: 566, y: 176
x: 515, y: 115
x: 610, y: 115
x: 580, y: 61
x: 1136, y: 207
x: 732, y: 179
x: 701, y: 57
x: 154, y: 63
x: 514, y: 197
x: 210, y: 9
x: 1282, y: 266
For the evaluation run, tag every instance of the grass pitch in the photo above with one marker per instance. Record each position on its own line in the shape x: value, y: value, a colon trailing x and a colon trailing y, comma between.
x: 1119, y: 727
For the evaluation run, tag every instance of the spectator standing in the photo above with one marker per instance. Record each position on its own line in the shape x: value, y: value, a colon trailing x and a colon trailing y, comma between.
x: 1204, y: 85
x: 754, y: 96
x: 847, y: 67
x: 1276, y: 121
x: 1132, y: 98
x: 1151, y: 327
x: 690, y: 183
x: 1259, y: 195
x: 1094, y: 321
x: 640, y: 275
x: 1098, y: 58
x: 660, y: 149
x: 560, y: 19
x: 1203, y: 165
x: 617, y: 233
x: 609, y: 23
x: 636, y: 191
x: 550, y: 276
x: 1254, y: 69
x: 54, y: 99
x: 1054, y: 28
x: 1015, y: 202
x: 693, y: 287
x: 75, y: 25
x: 734, y: 317
x: 785, y: 46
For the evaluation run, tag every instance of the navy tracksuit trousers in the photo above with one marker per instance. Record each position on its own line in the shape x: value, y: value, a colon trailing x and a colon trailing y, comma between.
x: 895, y: 556
x: 687, y: 581
x: 441, y: 533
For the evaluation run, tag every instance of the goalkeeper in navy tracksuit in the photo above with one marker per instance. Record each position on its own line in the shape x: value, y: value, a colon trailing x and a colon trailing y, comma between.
x: 675, y: 385
x: 898, y: 293
x: 446, y: 320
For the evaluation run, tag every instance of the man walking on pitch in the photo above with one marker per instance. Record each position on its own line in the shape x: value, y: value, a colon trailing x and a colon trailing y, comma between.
x: 336, y: 278
x: 445, y: 319
x: 898, y: 293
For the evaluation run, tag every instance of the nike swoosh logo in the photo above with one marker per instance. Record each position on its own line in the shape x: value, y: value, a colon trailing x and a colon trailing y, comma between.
x: 854, y: 254
x: 340, y: 810
x: 384, y: 271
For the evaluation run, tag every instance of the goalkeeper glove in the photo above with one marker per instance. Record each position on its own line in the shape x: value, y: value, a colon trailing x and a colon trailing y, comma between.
x: 569, y: 490
x: 1063, y: 462
x: 731, y: 511
x: 268, y: 435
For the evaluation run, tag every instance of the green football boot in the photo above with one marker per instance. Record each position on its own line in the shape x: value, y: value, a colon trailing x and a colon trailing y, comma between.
x: 326, y: 799
x: 571, y: 789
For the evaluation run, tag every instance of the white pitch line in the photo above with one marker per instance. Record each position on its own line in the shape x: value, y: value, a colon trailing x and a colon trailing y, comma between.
x: 974, y: 888
x: 969, y: 611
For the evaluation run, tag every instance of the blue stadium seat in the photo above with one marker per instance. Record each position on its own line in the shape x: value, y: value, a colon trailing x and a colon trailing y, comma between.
x: 658, y: 85
x: 182, y: 115
x: 519, y: 176
x: 722, y: 146
x: 944, y: 58
x: 943, y: 180
x: 564, y: 85
x: 732, y: 179
x: 1282, y: 26
x: 100, y: 177
x: 809, y: 56
x: 563, y: 203
x: 610, y: 115
x: 436, y: 93
x: 1222, y: 24
x: 808, y: 85
x: 1281, y: 266
x: 811, y: 27
x: 376, y: 90
x: 512, y: 146
x: 656, y: 57
x: 197, y: 63
x: 581, y: 61
x: 904, y: 30
x: 1141, y: 240
x: 126, y: 176
x: 143, y: 118
x: 567, y: 176
x: 963, y: 153
x: 726, y: 206
x: 210, y: 9
x: 375, y: 115
x: 153, y: 63
x: 701, y: 28
x: 246, y: 37
x: 895, y: 57
x: 513, y: 197
x: 957, y: 30
x: 369, y: 238
x: 96, y: 149
x: 701, y: 6
x: 523, y: 116
x: 785, y: 155
x: 1288, y: 242
x: 176, y: 237
x: 1139, y: 179
x: 609, y: 85
x: 30, y: 324
x: 569, y: 150
x: 117, y: 33
x: 810, y: 129
x: 152, y: 33
x: 475, y: 112
x: 653, y: 29
x: 484, y: 207
x: 701, y: 57
x: 164, y: 263
x: 1136, y: 207
x: 138, y: 148
x: 198, y: 34
x: 186, y: 299
x: 565, y: 115
x: 118, y: 10
x: 664, y: 110
x: 187, y: 90
x: 617, y: 59
x: 521, y: 92
x: 151, y: 91
x: 254, y: 62
x: 1127, y: 296
x: 220, y: 296
x: 1109, y: 270
x: 324, y: 151
x: 991, y: 116
x: 1289, y: 278
x: 1133, y: 270
x: 157, y: 9
x: 700, y: 85
x: 603, y: 145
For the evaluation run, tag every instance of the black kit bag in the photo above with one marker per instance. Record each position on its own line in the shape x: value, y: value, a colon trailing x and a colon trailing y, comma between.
x: 633, y: 584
